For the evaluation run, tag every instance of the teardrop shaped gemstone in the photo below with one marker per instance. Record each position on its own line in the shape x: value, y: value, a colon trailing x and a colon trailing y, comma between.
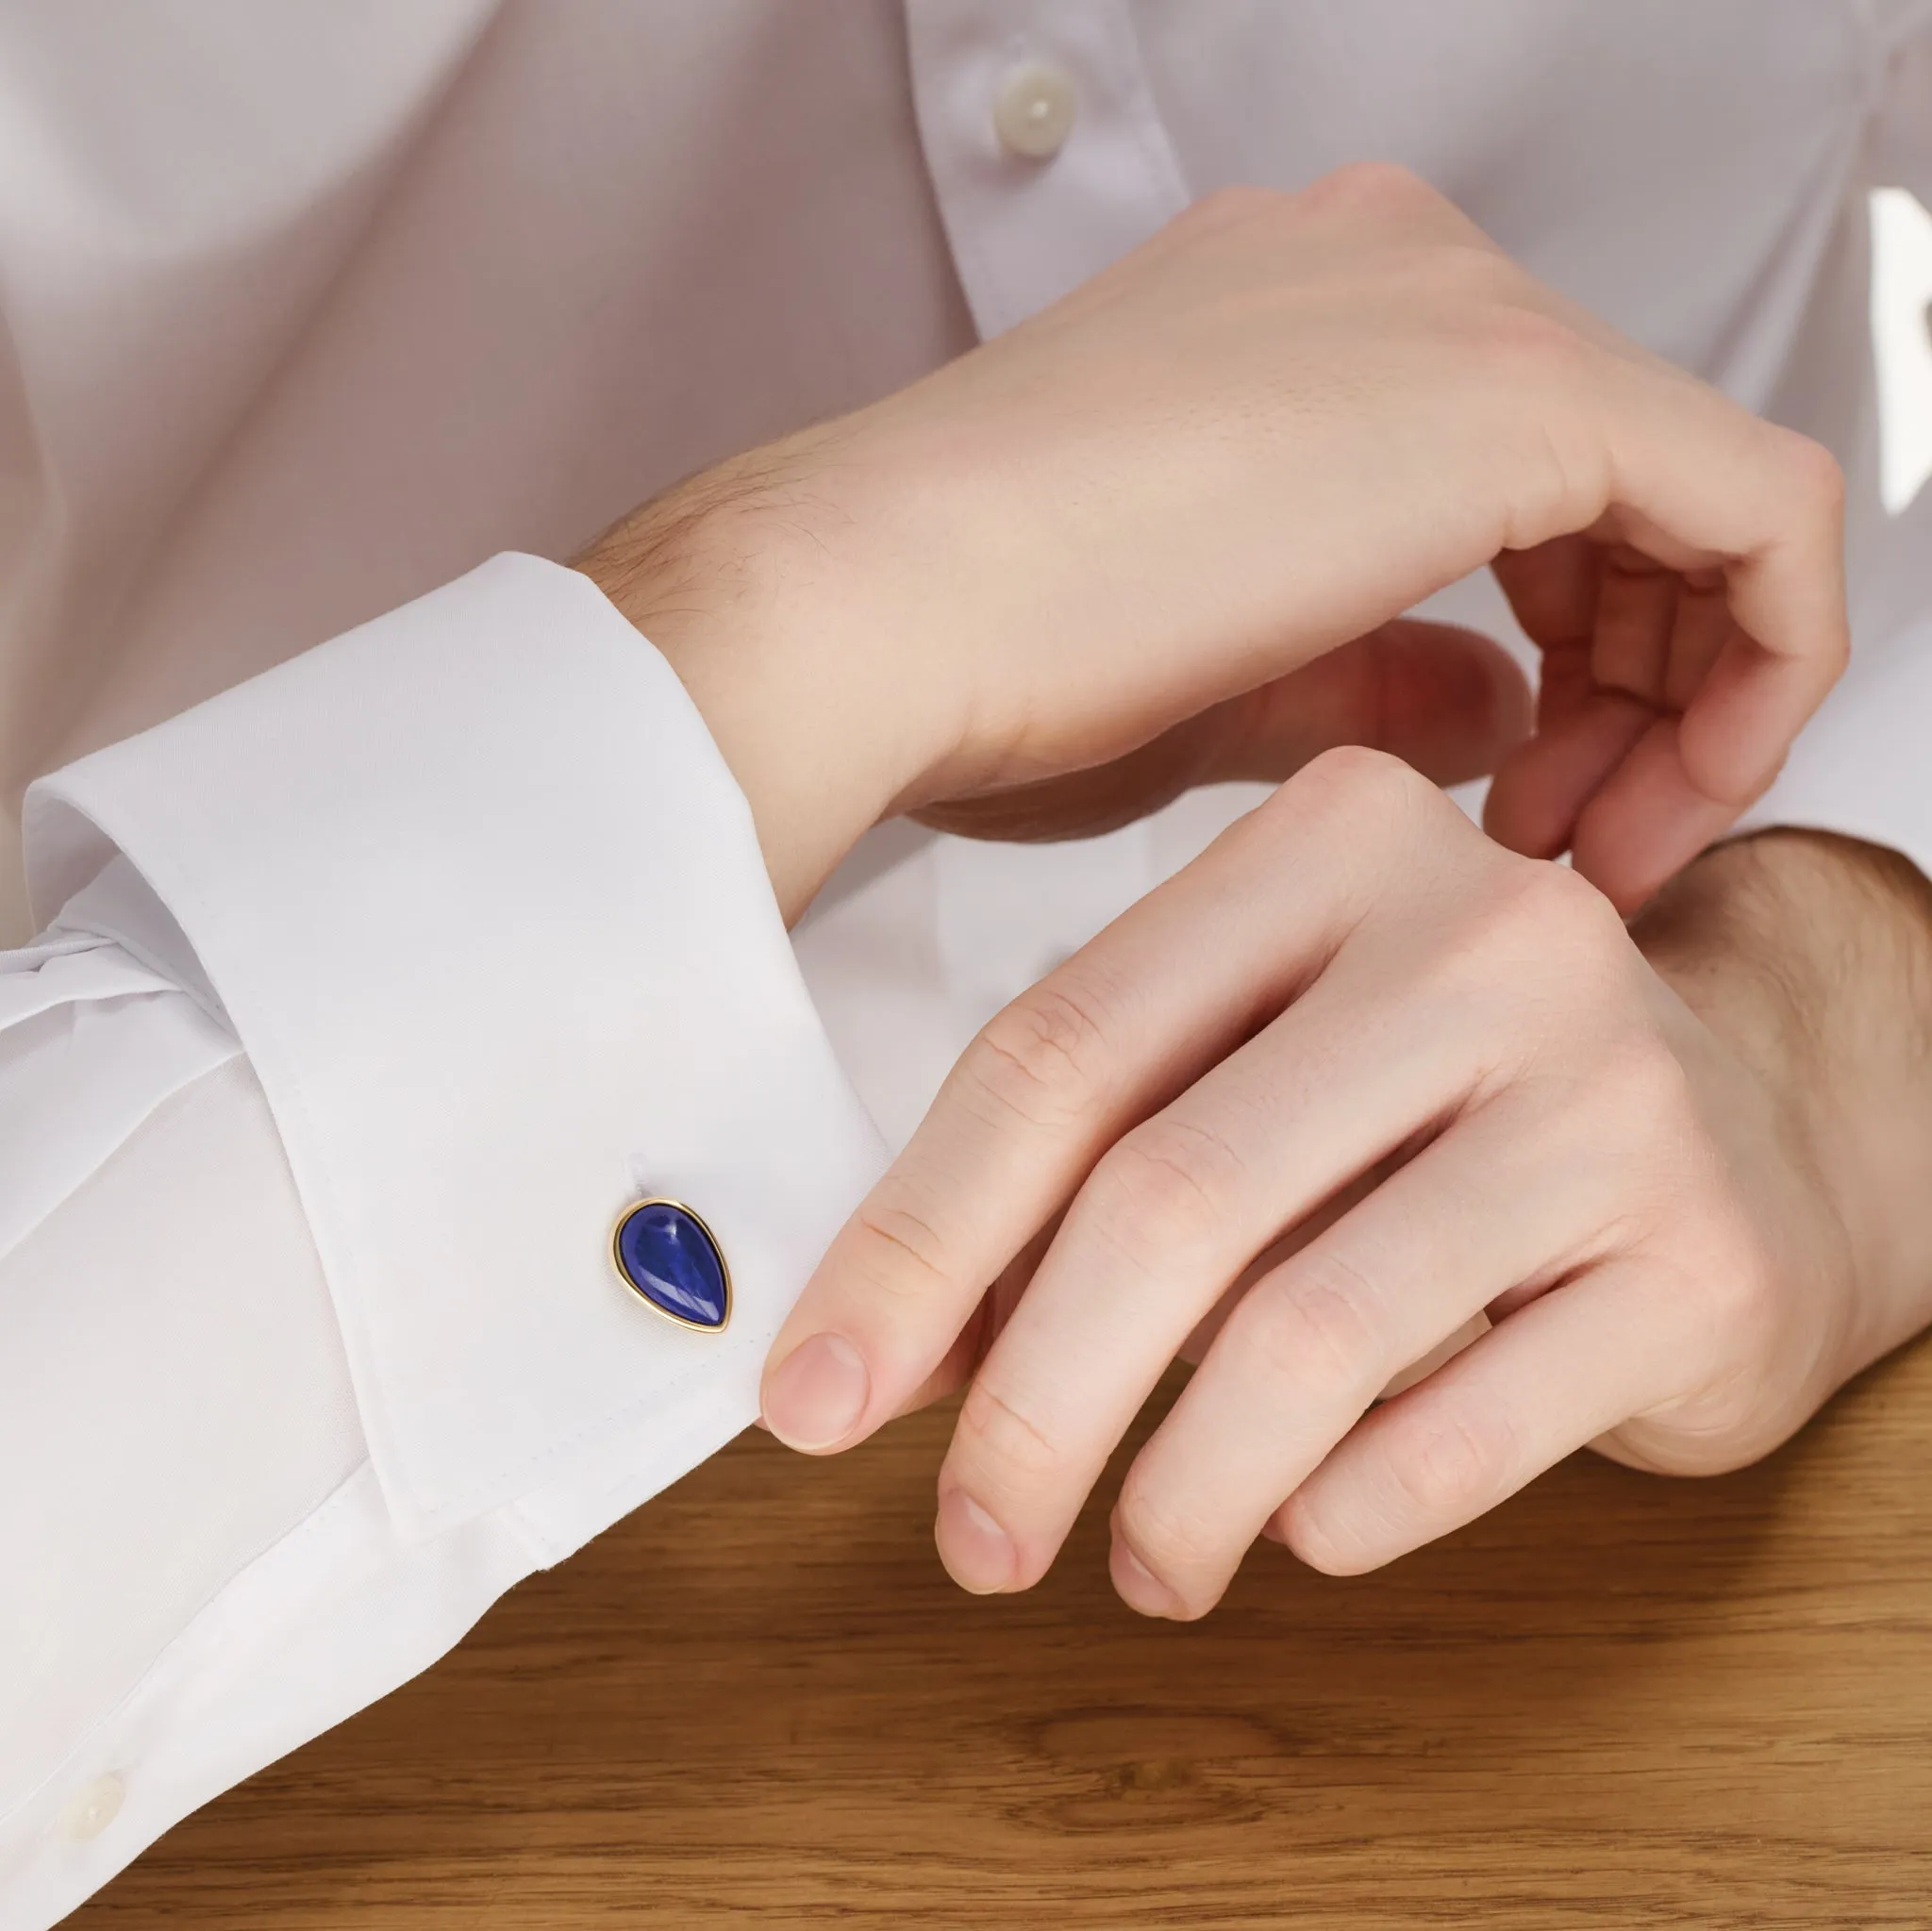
x: 666, y: 1255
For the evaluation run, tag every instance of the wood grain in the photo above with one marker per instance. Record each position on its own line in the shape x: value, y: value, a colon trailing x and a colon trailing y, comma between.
x: 1619, y: 1701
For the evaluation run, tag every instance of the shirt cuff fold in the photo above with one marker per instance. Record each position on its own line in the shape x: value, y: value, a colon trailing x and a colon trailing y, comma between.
x: 486, y: 911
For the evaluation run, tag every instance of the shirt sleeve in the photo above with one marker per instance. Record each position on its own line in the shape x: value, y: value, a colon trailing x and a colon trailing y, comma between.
x: 382, y: 984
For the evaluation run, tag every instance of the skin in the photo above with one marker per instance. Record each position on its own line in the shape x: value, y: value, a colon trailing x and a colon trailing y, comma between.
x: 1160, y: 536
x: 1682, y: 1188
x: 1101, y: 543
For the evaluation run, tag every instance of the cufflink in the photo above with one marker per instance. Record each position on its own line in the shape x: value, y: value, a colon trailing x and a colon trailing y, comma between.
x: 670, y: 1260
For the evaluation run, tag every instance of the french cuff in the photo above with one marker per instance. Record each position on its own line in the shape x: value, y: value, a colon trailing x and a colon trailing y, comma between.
x: 485, y: 907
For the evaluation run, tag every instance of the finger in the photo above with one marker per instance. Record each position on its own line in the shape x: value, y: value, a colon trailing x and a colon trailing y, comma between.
x: 1550, y: 1378
x: 1172, y: 1214
x: 1635, y: 611
x: 1563, y: 596
x: 1754, y: 638
x: 1193, y: 1351
x: 1583, y: 731
x: 1552, y: 589
x: 1509, y: 1200
x: 1446, y: 700
x: 1696, y: 483
x: 1543, y: 785
x: 1060, y: 1074
x: 983, y: 1327
x: 1680, y: 786
x: 1700, y: 631
x: 1776, y: 664
x: 1646, y: 820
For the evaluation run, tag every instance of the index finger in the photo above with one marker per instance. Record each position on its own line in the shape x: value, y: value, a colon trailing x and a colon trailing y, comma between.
x: 1694, y: 482
x: 1055, y: 1079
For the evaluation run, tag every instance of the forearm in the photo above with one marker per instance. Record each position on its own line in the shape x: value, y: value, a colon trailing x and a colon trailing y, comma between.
x: 1811, y: 956
x: 1154, y: 501
x: 723, y: 578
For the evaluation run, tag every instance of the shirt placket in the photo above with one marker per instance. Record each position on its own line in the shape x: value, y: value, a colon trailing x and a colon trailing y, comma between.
x: 1049, y: 161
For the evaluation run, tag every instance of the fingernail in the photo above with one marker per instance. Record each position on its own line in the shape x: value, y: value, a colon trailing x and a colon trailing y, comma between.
x: 1137, y: 1584
x: 817, y: 1392
x: 978, y: 1552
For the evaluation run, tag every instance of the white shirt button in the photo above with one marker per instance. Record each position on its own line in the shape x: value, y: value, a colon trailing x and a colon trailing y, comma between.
x: 92, y: 1809
x: 1034, y: 113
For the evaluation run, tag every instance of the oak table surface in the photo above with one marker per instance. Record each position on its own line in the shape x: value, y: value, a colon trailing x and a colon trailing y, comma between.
x: 1618, y: 1701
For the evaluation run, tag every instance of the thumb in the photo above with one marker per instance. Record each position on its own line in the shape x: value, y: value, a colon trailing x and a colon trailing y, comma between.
x: 1451, y: 702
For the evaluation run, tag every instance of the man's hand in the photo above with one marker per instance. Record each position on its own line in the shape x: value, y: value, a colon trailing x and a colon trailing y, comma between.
x: 1100, y: 543
x: 1691, y: 1198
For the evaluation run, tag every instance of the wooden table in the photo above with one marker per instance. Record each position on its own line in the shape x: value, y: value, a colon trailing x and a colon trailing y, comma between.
x: 1618, y: 1701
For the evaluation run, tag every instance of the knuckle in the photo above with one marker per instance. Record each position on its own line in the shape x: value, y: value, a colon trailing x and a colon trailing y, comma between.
x: 1006, y: 1446
x: 1567, y: 903
x: 1524, y: 348
x: 1354, y: 785
x: 1544, y: 911
x: 1451, y: 1466
x: 1816, y: 474
x: 1645, y: 1085
x: 1314, y: 1326
x: 895, y: 1250
x: 1177, y: 1544
x: 1042, y: 1058
x: 1536, y: 951
x: 1162, y: 1188
x: 1371, y: 187
x: 1318, y: 1538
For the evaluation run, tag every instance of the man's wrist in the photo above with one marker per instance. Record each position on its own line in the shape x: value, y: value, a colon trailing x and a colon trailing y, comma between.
x: 1810, y: 955
x: 729, y: 578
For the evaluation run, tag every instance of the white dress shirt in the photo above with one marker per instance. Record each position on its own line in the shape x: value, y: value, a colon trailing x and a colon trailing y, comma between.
x: 369, y: 990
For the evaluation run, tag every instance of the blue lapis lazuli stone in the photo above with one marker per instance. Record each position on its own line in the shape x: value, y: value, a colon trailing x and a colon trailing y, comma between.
x: 666, y: 1253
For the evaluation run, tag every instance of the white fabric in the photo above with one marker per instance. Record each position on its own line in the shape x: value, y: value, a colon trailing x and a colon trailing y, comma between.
x: 391, y: 974
x: 594, y: 992
x: 127, y: 1397
x: 236, y: 1511
x: 1023, y: 235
